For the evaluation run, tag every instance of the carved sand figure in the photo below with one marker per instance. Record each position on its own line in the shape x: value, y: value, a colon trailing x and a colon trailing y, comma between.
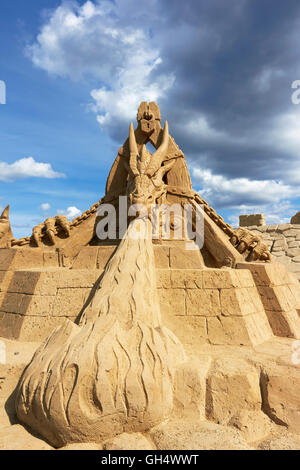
x: 50, y: 228
x: 163, y: 178
x: 245, y: 241
x: 145, y: 184
x: 283, y: 240
x: 115, y: 371
x: 143, y: 335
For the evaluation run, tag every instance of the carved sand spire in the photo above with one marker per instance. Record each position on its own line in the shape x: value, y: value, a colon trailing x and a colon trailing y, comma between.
x: 5, y: 229
x: 159, y: 156
x: 133, y: 151
x: 114, y: 372
x: 5, y: 213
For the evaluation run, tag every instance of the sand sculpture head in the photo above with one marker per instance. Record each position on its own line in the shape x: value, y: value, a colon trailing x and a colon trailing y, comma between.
x: 161, y: 178
x: 145, y: 183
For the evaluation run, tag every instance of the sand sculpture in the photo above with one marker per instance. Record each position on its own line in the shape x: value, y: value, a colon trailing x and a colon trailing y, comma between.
x: 112, y: 373
x: 129, y: 354
x: 125, y: 179
x: 283, y: 240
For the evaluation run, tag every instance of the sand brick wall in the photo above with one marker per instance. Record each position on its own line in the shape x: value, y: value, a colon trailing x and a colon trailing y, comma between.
x: 283, y: 241
x: 245, y: 306
x: 218, y: 306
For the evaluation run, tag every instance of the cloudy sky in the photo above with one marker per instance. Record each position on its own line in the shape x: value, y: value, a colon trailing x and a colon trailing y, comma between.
x: 221, y: 72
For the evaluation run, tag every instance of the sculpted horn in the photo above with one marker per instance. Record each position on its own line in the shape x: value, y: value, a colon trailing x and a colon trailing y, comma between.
x: 5, y: 213
x: 159, y: 156
x: 143, y: 153
x: 133, y: 151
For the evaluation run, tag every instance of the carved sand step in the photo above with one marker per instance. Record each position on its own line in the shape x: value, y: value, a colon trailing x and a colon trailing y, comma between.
x: 280, y: 295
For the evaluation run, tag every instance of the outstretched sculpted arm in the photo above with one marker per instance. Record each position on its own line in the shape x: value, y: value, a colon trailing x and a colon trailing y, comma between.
x: 252, y: 245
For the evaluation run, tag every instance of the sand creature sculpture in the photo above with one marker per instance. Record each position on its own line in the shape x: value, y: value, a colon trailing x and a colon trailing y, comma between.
x: 166, y: 179
x: 112, y: 373
x: 120, y: 361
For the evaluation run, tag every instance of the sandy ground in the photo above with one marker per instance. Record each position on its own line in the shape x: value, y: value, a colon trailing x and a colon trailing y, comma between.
x: 179, y: 433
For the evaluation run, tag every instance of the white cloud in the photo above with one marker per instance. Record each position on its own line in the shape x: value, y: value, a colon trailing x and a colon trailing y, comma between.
x: 285, y: 135
x: 200, y: 128
x: 223, y: 191
x: 246, y: 196
x: 280, y: 133
x: 131, y: 64
x: 26, y: 168
x: 90, y: 40
x: 71, y: 212
x: 278, y: 213
x: 120, y: 103
x: 45, y: 207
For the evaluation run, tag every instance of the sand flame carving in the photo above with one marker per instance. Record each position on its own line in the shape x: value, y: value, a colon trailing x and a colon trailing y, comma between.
x: 115, y: 371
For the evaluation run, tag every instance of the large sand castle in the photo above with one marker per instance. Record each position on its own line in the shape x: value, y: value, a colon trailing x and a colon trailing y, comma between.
x: 184, y: 341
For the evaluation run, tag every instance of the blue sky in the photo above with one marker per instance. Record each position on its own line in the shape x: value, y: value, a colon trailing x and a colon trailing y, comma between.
x: 75, y: 72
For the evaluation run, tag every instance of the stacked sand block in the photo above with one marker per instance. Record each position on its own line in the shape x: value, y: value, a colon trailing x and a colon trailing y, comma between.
x: 37, y: 301
x: 224, y: 397
x: 198, y: 304
x: 88, y: 257
x: 280, y: 295
x: 234, y: 398
x: 252, y: 219
x: 253, y: 390
x: 93, y: 257
x: 280, y: 388
x: 17, y: 356
x: 12, y: 259
x: 36, y: 295
x: 283, y: 241
x: 34, y: 301
x: 219, y: 306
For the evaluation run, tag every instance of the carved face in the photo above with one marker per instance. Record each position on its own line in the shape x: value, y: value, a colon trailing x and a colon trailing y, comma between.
x: 145, y: 184
x: 143, y: 189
